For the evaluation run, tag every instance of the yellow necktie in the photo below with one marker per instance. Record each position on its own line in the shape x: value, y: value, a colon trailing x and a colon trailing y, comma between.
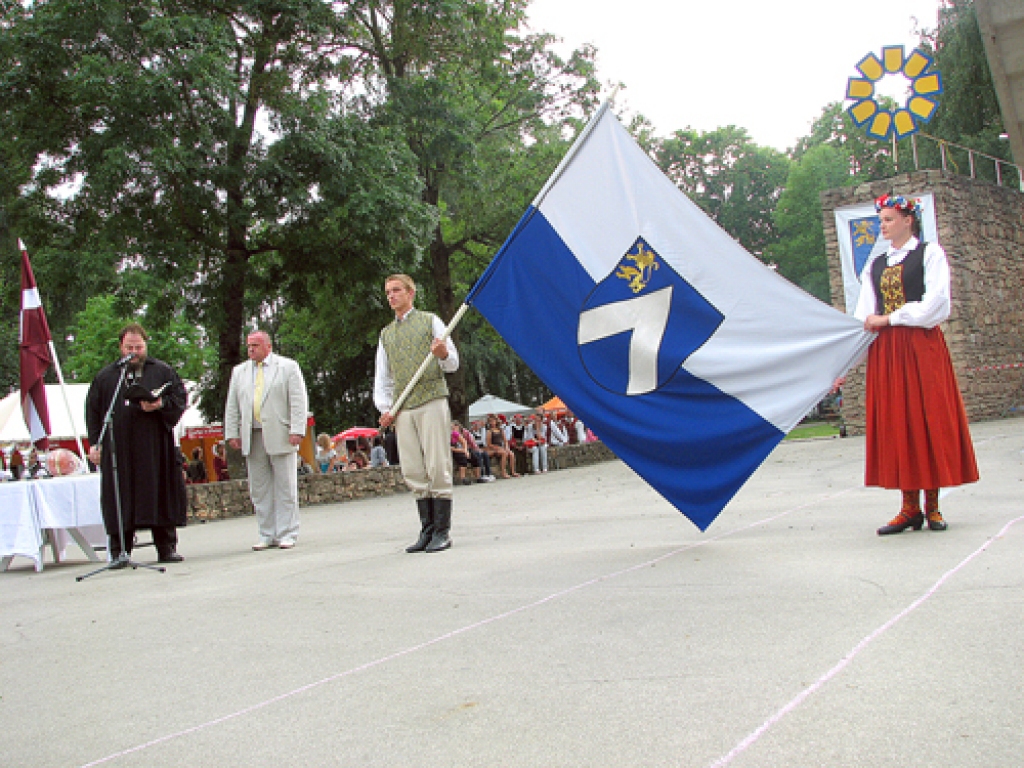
x: 257, y: 393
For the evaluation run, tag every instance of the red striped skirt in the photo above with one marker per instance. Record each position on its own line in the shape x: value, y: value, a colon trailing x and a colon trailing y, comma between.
x: 917, y: 433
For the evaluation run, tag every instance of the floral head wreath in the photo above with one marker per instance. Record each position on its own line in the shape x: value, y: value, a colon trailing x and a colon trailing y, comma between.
x: 900, y: 203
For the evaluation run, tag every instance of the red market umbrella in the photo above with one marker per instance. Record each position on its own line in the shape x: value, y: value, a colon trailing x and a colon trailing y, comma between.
x: 353, y: 433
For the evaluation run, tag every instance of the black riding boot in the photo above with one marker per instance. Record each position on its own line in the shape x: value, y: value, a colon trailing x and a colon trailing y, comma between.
x: 442, y: 524
x: 426, y: 510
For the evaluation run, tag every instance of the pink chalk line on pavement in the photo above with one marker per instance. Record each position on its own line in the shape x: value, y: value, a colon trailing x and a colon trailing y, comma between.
x: 448, y: 636
x: 543, y: 601
x: 799, y: 699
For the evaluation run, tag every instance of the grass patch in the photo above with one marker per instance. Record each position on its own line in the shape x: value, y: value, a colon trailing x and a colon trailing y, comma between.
x: 815, y: 429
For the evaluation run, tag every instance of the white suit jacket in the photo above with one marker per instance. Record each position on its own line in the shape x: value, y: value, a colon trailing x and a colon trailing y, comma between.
x: 282, y: 412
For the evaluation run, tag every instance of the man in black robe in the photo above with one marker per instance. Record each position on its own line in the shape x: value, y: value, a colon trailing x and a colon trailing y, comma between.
x: 149, y: 468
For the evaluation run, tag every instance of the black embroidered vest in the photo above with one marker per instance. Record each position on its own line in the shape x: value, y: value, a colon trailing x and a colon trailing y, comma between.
x: 895, y: 286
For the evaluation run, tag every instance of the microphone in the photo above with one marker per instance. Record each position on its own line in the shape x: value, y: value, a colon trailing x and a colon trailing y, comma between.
x: 124, y: 360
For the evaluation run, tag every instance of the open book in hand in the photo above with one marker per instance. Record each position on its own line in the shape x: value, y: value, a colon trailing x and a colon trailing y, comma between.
x: 139, y: 394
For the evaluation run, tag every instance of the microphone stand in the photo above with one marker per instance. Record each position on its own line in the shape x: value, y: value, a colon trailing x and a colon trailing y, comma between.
x: 123, y: 559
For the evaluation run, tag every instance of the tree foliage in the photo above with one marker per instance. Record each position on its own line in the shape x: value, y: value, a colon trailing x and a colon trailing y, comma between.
x: 969, y: 114
x: 207, y: 168
x: 734, y: 180
x: 471, y: 94
x: 158, y: 117
x: 800, y: 254
x: 94, y: 342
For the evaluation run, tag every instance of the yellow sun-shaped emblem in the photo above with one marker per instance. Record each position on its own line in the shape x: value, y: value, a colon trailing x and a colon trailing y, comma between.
x: 920, y: 105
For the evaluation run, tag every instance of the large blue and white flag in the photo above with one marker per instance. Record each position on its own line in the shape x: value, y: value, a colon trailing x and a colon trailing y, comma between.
x: 686, y: 355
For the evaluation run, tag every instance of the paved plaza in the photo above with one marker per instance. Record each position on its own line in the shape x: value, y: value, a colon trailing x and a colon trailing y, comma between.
x: 578, y: 620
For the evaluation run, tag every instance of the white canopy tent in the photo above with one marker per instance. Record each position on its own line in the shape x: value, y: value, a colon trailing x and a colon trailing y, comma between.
x: 12, y: 423
x: 489, y: 404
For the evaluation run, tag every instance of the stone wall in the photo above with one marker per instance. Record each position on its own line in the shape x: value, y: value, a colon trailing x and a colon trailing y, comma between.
x: 981, y: 227
x: 214, y: 501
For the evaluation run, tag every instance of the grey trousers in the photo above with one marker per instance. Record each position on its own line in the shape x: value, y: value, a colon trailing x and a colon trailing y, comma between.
x: 274, y: 489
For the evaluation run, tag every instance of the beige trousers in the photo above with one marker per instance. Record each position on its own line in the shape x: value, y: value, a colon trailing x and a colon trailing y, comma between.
x: 424, y: 449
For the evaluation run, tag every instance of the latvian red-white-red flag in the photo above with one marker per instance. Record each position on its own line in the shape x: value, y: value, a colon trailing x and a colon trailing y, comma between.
x: 34, y: 345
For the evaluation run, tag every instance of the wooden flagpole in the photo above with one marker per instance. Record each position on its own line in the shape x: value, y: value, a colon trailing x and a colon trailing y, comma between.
x: 397, y: 405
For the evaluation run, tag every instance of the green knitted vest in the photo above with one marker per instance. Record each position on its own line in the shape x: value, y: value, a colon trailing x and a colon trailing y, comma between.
x: 406, y: 344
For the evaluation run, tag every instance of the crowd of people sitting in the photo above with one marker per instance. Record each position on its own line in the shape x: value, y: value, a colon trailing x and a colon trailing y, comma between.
x: 360, y: 453
x: 498, y: 446
x: 513, y: 446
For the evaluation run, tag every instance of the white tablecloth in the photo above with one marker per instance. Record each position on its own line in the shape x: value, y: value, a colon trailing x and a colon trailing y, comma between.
x: 28, y: 507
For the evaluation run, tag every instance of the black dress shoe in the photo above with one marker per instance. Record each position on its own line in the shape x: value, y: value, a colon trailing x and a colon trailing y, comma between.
x: 170, y: 557
x: 901, y: 522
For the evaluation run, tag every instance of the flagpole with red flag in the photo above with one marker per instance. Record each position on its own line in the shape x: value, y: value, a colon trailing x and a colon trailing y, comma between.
x: 37, y: 353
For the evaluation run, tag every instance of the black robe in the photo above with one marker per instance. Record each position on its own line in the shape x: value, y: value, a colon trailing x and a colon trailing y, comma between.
x: 149, y: 464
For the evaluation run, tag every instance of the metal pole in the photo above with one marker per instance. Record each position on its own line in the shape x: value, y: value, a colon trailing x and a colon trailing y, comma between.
x: 67, y: 404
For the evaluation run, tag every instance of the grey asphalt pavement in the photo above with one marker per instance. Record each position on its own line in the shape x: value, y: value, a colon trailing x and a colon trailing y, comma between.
x: 578, y: 620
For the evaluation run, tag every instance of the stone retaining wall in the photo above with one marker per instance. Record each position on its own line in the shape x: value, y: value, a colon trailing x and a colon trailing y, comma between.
x: 215, y: 501
x: 981, y: 228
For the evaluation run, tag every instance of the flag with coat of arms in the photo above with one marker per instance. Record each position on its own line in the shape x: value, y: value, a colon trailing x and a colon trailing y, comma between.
x: 685, y: 354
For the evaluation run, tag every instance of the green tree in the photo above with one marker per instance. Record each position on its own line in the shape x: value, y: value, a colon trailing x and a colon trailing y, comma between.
x: 95, y: 344
x: 968, y: 112
x: 866, y: 157
x: 174, y: 127
x: 800, y: 254
x: 469, y: 91
x: 731, y: 178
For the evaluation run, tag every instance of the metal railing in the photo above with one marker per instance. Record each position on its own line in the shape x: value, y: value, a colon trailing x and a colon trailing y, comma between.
x: 948, y: 162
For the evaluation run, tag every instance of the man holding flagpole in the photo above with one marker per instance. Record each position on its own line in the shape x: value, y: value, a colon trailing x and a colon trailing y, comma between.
x: 423, y: 425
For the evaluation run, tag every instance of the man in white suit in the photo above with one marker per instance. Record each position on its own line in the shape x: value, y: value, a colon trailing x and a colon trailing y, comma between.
x: 265, y: 418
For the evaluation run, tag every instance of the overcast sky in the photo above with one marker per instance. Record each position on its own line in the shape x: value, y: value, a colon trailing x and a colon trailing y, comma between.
x: 769, y: 66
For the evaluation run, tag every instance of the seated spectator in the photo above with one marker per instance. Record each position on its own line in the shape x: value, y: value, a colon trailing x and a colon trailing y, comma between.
x: 32, y: 465
x: 378, y: 456
x: 460, y: 454
x: 537, y: 442
x: 220, y: 465
x: 517, y: 442
x: 195, y: 473
x: 478, y: 459
x: 17, y: 464
x: 326, y: 456
x: 497, y: 447
x: 555, y: 431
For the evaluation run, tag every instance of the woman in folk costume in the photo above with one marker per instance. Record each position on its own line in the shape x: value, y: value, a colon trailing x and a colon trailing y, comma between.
x: 917, y: 434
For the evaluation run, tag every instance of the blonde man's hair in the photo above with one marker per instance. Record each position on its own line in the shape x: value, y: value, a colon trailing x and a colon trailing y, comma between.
x: 403, y: 279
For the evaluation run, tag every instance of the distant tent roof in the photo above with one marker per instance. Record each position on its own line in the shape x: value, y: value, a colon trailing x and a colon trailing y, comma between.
x: 490, y: 404
x: 554, y: 404
x: 12, y: 423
